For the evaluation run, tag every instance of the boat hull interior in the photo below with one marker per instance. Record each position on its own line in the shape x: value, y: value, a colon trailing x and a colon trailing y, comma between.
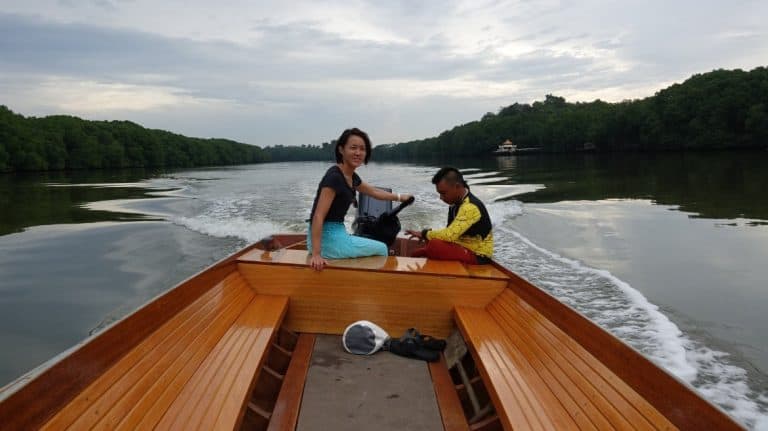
x: 253, y: 343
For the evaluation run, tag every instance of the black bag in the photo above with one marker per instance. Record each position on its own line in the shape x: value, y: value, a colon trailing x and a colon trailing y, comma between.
x: 377, y: 220
x: 415, y: 345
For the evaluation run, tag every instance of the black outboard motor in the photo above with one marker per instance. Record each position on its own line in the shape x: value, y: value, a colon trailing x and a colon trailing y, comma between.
x: 377, y: 220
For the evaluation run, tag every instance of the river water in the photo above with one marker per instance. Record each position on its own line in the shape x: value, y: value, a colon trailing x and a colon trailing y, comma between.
x: 666, y: 251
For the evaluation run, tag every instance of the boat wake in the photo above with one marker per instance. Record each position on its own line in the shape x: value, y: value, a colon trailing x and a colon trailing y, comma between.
x: 238, y: 227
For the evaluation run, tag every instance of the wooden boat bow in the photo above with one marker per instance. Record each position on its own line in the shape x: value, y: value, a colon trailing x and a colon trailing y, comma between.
x: 230, y: 348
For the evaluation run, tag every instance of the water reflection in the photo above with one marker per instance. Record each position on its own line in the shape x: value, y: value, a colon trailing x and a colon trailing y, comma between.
x: 33, y: 199
x: 710, y: 185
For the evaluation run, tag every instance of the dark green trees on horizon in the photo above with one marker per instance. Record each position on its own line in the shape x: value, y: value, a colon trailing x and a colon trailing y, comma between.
x: 721, y: 109
x: 65, y: 142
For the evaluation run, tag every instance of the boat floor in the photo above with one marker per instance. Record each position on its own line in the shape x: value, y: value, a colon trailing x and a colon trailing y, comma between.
x: 378, y: 392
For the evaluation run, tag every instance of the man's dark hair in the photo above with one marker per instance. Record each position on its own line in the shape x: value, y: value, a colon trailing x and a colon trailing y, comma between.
x: 342, y: 142
x: 451, y: 175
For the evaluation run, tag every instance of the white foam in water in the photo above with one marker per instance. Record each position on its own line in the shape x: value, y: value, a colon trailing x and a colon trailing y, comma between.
x: 485, y: 180
x: 481, y: 175
x: 624, y: 311
x: 671, y: 339
x: 236, y: 227
x: 499, y: 211
x: 516, y: 189
x: 97, y: 185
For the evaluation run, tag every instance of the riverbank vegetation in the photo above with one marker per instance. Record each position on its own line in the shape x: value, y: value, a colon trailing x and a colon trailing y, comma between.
x: 64, y: 142
x: 717, y: 110
x: 722, y: 109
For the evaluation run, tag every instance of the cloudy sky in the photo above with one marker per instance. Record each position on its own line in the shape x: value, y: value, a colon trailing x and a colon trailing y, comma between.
x: 284, y: 72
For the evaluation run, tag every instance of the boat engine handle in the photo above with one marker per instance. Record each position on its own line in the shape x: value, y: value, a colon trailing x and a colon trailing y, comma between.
x: 400, y: 207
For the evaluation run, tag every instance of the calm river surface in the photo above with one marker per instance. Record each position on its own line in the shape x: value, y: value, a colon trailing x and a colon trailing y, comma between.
x: 668, y: 252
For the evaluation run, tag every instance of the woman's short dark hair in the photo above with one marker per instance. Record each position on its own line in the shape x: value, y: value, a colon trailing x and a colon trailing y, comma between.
x: 451, y: 175
x: 342, y: 142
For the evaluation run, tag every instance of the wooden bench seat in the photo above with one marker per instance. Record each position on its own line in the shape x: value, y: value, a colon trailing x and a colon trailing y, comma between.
x: 194, y: 371
x: 540, y: 378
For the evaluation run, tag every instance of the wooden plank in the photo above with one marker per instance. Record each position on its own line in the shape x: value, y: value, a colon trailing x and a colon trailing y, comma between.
x: 285, y: 256
x: 447, y: 397
x: 136, y: 370
x: 587, y: 407
x: 581, y: 370
x: 327, y: 301
x: 329, y: 317
x: 667, y: 394
x: 380, y: 263
x: 224, y: 349
x: 419, y: 265
x: 148, y: 410
x: 32, y: 405
x: 520, y: 401
x: 286, y: 412
x: 216, y: 395
x: 485, y: 271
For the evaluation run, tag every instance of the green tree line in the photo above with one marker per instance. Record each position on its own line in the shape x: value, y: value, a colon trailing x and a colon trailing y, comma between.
x: 65, y: 142
x: 722, y: 109
x: 283, y: 153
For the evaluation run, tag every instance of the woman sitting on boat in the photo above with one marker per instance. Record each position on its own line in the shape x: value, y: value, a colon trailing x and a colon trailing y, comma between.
x: 327, y: 238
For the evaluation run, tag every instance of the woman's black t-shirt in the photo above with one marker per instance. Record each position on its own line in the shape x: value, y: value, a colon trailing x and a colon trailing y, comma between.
x: 345, y: 195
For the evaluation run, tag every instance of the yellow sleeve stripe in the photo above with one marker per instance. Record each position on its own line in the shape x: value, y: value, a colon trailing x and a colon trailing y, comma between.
x: 468, y: 215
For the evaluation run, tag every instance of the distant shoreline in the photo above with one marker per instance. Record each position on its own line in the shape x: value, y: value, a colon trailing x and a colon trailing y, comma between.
x: 722, y: 110
x: 433, y: 159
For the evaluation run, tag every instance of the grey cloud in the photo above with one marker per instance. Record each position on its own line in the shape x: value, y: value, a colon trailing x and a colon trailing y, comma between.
x: 539, y: 64
x: 276, y: 75
x: 563, y: 39
x: 292, y: 48
x: 105, y: 4
x: 32, y: 44
x: 225, y: 70
x: 277, y: 52
x: 612, y: 43
x: 535, y: 35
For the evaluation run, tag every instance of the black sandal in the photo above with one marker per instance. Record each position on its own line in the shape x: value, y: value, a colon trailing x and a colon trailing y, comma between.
x: 410, y: 349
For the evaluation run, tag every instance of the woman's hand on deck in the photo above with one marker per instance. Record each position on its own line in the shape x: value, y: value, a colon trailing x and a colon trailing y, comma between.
x: 317, y: 262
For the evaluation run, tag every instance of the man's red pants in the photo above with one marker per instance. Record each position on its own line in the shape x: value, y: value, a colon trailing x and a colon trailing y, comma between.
x: 444, y: 250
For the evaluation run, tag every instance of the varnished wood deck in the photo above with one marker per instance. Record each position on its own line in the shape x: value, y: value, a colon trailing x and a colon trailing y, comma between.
x: 400, y: 293
x: 397, y: 264
x: 541, y: 380
x: 194, y: 372
x: 190, y: 358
